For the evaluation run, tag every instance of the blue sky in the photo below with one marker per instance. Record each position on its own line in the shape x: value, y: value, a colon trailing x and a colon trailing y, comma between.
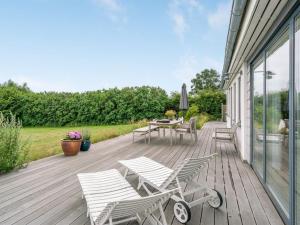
x: 79, y: 45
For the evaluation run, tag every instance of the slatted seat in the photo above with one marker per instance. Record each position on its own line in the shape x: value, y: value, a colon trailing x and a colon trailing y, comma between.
x: 110, y: 198
x: 222, y: 136
x: 144, y: 131
x: 163, y: 178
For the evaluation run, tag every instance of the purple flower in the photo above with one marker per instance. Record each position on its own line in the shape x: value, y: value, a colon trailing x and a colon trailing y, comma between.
x: 74, y: 135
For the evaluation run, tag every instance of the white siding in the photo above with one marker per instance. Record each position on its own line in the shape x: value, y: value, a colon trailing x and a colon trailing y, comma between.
x: 243, y: 132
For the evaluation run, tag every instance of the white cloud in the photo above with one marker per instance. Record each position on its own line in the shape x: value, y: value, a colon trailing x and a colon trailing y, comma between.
x: 179, y: 11
x: 213, y: 63
x: 193, y: 3
x: 220, y: 17
x: 180, y: 25
x: 189, y: 65
x: 113, y: 9
x: 111, y: 5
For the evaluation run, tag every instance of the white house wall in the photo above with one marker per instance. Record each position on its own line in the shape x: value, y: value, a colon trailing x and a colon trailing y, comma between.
x: 243, y: 131
x: 258, y: 19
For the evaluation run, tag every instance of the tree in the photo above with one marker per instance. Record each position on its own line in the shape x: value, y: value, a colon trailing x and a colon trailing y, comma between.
x: 207, y: 79
x: 174, y: 100
x: 10, y: 83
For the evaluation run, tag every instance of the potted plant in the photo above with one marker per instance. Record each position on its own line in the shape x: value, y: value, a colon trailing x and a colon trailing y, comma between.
x: 71, y: 143
x: 170, y: 114
x: 86, y: 141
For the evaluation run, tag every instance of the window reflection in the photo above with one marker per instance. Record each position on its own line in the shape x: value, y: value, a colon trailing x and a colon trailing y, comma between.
x: 277, y: 119
x: 258, y: 109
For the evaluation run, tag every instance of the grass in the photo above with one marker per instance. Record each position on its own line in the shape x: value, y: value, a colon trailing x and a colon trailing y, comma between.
x: 202, y: 119
x: 45, y: 142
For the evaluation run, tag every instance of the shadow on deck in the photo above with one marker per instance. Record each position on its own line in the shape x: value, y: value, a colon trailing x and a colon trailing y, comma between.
x: 48, y: 192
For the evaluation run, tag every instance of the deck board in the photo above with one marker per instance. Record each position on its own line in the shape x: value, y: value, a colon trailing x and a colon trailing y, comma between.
x: 48, y: 192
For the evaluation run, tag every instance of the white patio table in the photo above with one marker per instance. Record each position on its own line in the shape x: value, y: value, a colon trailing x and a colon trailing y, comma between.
x: 170, y: 124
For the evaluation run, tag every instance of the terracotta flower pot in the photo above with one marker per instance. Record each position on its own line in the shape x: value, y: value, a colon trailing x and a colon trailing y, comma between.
x: 70, y: 147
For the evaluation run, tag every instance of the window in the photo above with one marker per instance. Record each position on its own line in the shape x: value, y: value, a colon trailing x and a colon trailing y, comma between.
x: 230, y: 91
x: 277, y: 117
x: 258, y: 116
x: 270, y: 121
x: 297, y: 116
x: 239, y: 100
x: 234, y: 103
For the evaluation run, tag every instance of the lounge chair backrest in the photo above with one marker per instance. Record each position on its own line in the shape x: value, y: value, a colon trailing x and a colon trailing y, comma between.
x: 186, y: 171
x: 131, y: 208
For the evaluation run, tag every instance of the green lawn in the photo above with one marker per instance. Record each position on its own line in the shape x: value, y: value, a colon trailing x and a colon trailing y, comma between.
x: 46, y: 141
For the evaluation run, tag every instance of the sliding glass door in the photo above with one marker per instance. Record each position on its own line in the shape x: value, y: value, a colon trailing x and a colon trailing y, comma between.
x: 297, y: 116
x: 277, y: 119
x: 258, y: 109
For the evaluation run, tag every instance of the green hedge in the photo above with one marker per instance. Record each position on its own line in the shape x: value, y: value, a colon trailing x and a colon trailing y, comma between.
x: 209, y: 101
x: 113, y: 106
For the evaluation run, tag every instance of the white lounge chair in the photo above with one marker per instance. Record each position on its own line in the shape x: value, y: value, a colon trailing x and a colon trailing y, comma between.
x: 111, y: 200
x: 162, y: 178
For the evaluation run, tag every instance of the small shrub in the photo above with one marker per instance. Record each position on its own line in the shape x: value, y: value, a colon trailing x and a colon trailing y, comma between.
x: 180, y: 114
x: 193, y: 111
x: 170, y: 114
x: 141, y: 123
x: 202, y: 119
x: 13, y: 151
x: 86, y: 135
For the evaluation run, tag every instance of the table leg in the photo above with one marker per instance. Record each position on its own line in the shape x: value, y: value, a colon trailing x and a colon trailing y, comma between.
x: 149, y: 137
x: 171, y: 136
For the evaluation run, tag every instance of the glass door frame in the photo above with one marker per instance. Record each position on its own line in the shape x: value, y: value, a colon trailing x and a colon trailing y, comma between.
x: 289, y: 24
x: 261, y: 55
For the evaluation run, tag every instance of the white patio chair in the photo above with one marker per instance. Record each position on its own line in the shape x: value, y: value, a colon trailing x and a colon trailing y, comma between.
x: 225, y: 135
x: 162, y: 178
x: 187, y: 128
x: 112, y: 200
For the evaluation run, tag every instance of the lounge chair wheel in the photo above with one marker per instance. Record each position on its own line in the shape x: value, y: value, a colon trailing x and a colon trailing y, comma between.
x: 217, y: 201
x: 182, y: 212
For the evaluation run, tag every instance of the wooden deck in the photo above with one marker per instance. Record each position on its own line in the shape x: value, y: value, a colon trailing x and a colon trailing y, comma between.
x: 48, y: 192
